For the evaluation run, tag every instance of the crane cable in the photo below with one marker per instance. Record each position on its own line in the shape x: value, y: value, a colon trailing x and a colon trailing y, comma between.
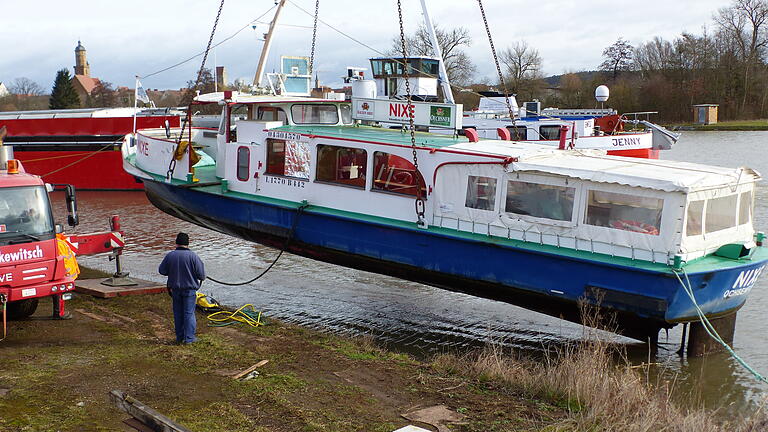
x: 288, y: 239
x: 172, y: 163
x: 314, y: 39
x: 419, y: 203
x: 710, y: 329
x: 496, y: 60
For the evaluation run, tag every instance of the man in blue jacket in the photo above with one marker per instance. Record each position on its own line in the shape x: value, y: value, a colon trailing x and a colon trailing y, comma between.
x: 185, y: 273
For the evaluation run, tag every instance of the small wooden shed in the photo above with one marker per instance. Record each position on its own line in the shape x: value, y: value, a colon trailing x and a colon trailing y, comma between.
x: 705, y: 113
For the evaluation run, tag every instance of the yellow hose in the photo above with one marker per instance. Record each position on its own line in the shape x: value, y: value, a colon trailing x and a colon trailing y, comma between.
x: 246, y: 314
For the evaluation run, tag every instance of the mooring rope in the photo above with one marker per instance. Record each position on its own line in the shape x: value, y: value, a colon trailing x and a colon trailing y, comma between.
x: 288, y: 239
x: 710, y: 329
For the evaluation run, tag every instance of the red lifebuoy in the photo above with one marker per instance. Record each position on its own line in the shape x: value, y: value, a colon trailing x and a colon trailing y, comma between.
x: 634, y: 226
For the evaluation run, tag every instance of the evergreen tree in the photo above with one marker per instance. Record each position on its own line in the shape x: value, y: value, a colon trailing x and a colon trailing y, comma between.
x: 63, y: 95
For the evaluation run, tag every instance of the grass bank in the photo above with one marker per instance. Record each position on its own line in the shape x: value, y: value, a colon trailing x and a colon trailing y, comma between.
x: 55, y: 376
x: 731, y: 125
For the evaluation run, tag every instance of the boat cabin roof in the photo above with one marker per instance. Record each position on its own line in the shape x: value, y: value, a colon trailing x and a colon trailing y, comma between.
x: 257, y: 99
x: 669, y: 176
x: 592, y: 165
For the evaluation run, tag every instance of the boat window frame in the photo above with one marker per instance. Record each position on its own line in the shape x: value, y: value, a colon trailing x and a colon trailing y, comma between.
x: 544, y: 137
x: 247, y: 165
x: 750, y: 208
x: 390, y: 192
x: 662, y: 227
x: 319, y: 104
x: 735, y: 223
x: 318, y: 167
x: 548, y: 180
x: 493, y: 196
x: 515, y: 130
x: 688, y: 204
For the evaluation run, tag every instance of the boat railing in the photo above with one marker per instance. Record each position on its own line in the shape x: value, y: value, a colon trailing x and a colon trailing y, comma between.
x: 554, y: 239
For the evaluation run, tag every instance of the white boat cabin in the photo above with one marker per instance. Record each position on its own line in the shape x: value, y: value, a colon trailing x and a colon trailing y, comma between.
x: 312, y: 149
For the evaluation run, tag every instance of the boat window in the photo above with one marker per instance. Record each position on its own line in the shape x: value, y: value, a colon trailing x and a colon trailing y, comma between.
x: 271, y: 114
x: 518, y: 133
x: 275, y: 157
x: 745, y: 207
x: 288, y: 158
x: 314, y: 114
x: 342, y: 165
x: 430, y: 67
x: 243, y: 163
x: 693, y: 224
x: 376, y: 65
x: 346, y: 113
x: 624, y: 212
x: 223, y: 121
x: 720, y: 213
x: 481, y: 193
x: 396, y: 174
x: 551, y: 132
x: 540, y: 200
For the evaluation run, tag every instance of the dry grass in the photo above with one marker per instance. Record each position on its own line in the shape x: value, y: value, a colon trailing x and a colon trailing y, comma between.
x: 599, y: 393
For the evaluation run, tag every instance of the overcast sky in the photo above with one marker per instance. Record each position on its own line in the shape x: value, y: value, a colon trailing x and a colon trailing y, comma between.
x: 138, y: 37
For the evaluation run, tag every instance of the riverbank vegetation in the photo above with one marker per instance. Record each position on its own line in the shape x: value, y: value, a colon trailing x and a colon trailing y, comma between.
x: 313, y: 381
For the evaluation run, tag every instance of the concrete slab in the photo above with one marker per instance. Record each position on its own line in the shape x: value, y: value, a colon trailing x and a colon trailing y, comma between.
x: 95, y: 288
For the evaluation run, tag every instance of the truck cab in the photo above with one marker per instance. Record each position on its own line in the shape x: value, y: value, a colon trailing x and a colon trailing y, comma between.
x: 33, y: 261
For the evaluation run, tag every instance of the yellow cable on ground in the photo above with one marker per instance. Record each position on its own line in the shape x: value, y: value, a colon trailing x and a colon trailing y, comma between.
x: 246, y: 314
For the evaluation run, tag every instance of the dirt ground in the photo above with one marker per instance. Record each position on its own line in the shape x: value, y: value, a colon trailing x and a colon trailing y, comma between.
x: 56, y: 376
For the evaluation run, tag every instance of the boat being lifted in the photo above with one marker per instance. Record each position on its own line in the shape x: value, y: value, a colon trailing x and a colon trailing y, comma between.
x: 523, y: 223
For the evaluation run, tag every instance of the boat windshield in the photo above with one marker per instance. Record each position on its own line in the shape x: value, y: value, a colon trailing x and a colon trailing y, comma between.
x: 24, y: 213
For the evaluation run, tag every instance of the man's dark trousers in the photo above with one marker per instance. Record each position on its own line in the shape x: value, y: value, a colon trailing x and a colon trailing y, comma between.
x: 184, y: 319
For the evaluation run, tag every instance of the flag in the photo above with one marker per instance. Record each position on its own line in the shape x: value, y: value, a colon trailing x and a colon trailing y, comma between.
x: 141, y: 94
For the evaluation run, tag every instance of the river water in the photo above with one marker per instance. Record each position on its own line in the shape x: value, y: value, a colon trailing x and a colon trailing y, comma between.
x: 423, y: 319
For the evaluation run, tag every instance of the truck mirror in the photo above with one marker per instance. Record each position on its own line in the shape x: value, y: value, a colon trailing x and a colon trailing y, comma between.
x: 72, y: 219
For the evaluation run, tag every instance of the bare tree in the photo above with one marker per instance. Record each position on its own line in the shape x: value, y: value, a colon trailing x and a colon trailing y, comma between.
x: 102, y: 96
x: 522, y: 65
x: 26, y: 87
x: 458, y: 65
x: 618, y: 57
x: 744, y: 23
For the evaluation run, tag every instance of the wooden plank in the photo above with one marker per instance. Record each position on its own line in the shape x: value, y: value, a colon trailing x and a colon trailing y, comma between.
x: 250, y: 369
x: 144, y: 414
x: 95, y: 288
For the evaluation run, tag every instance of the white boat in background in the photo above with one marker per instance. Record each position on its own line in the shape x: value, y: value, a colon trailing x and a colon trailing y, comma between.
x: 602, y: 129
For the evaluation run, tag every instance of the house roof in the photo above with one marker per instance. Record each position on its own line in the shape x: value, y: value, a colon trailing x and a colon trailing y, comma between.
x: 86, y: 82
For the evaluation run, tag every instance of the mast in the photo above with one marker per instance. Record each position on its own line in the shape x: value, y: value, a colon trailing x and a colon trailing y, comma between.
x: 267, y: 45
x: 446, y: 85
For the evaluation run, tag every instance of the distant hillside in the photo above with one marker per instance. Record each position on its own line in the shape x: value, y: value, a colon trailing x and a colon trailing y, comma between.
x: 586, y: 76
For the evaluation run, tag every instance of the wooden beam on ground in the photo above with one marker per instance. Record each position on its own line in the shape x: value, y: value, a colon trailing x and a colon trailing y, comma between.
x: 250, y: 369
x: 144, y: 414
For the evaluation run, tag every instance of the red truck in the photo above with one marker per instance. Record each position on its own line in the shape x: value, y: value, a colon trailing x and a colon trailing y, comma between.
x: 33, y: 263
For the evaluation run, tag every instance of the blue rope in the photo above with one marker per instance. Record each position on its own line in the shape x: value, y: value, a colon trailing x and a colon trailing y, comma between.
x: 711, y: 329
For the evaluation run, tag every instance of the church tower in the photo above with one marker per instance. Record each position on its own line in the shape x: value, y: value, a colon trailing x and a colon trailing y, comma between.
x: 81, y: 62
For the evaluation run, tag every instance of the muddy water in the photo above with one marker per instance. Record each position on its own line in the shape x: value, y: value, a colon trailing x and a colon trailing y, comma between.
x: 424, y: 319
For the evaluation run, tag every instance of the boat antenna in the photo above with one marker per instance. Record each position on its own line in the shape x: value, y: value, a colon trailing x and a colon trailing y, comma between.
x: 443, y: 75
x: 267, y: 45
x: 419, y: 199
x: 314, y: 38
x: 496, y: 59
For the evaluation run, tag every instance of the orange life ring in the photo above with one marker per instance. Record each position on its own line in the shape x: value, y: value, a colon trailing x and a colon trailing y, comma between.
x: 634, y: 226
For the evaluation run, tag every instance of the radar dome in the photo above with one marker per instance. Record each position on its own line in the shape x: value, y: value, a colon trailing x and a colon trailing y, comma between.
x: 602, y: 93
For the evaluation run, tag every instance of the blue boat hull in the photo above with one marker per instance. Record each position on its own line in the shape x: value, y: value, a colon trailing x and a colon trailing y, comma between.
x: 639, y: 301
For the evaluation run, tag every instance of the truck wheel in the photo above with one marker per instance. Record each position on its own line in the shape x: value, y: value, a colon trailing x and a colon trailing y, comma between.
x: 22, y: 308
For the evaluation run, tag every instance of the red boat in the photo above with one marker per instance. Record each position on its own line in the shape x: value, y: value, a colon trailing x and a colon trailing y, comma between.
x: 81, y: 146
